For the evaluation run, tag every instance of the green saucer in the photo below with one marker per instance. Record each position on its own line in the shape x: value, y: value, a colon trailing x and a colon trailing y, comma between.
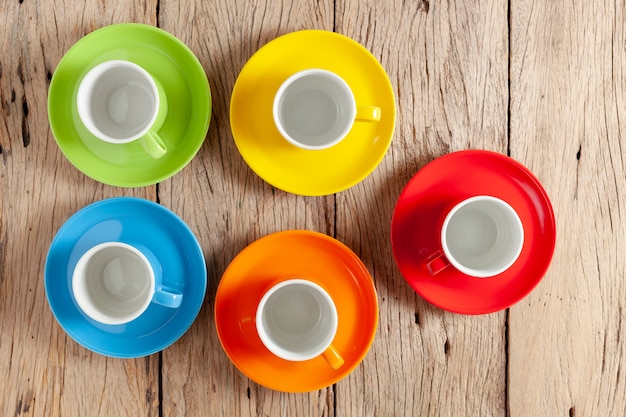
x: 188, y: 95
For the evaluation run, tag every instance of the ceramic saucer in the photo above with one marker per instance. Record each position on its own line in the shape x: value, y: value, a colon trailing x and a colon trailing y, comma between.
x: 446, y: 180
x: 169, y: 245
x: 319, y: 258
x: 188, y: 95
x: 286, y: 166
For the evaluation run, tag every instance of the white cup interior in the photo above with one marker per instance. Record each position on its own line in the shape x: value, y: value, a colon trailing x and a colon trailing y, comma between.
x: 118, y: 101
x: 482, y: 236
x: 296, y: 320
x: 113, y: 283
x: 314, y: 109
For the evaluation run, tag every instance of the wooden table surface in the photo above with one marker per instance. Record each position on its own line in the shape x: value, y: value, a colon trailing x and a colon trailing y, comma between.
x: 540, y: 81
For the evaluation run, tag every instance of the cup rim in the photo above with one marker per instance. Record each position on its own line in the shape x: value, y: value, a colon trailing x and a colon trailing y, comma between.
x: 290, y: 80
x: 81, y: 100
x: 284, y: 353
x: 96, y: 314
x: 472, y: 271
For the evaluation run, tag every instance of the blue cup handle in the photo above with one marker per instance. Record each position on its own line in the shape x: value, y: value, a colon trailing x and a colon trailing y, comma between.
x: 167, y: 297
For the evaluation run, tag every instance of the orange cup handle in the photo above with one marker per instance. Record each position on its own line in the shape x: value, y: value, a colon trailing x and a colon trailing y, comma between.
x: 436, y: 263
x: 333, y: 357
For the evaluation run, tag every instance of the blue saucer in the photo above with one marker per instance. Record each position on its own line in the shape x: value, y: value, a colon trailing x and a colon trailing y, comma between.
x: 162, y: 236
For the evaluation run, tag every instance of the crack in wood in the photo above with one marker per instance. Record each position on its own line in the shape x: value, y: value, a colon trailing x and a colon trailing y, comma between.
x: 25, y: 127
x: 578, y: 156
x: 24, y: 107
x: 20, y: 73
x: 24, y: 403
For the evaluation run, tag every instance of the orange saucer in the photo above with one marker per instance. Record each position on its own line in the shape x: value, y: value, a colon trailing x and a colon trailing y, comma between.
x: 310, y: 255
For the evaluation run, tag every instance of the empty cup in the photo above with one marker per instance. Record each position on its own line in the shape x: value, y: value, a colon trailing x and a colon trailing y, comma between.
x: 120, y: 102
x: 114, y: 283
x: 481, y: 236
x: 315, y: 109
x: 297, y: 321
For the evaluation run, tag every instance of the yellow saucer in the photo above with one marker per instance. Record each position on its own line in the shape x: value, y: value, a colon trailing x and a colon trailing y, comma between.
x: 288, y: 167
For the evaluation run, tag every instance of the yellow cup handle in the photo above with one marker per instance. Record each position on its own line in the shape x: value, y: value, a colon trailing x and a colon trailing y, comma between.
x: 333, y: 357
x: 368, y: 113
x: 153, y: 144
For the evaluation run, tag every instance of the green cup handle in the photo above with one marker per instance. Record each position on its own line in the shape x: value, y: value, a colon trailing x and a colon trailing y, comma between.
x: 153, y: 144
x: 368, y: 113
x: 151, y: 141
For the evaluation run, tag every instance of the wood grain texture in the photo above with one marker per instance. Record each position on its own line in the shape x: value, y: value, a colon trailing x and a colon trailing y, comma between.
x: 43, y: 371
x: 448, y: 63
x: 567, y: 112
x: 228, y: 206
x: 543, y: 81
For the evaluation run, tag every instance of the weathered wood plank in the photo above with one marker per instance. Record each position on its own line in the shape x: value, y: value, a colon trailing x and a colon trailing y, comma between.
x: 567, y: 102
x: 45, y: 372
x: 228, y: 206
x: 448, y: 63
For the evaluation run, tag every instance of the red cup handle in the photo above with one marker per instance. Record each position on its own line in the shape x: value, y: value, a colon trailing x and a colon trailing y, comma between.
x: 436, y: 263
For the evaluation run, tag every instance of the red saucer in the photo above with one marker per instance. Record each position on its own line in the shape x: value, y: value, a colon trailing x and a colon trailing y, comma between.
x: 445, y: 181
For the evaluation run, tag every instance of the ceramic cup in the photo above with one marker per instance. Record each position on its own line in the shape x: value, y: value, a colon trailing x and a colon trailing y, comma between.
x: 114, y: 283
x: 297, y: 320
x: 315, y: 109
x: 120, y: 102
x: 481, y: 236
